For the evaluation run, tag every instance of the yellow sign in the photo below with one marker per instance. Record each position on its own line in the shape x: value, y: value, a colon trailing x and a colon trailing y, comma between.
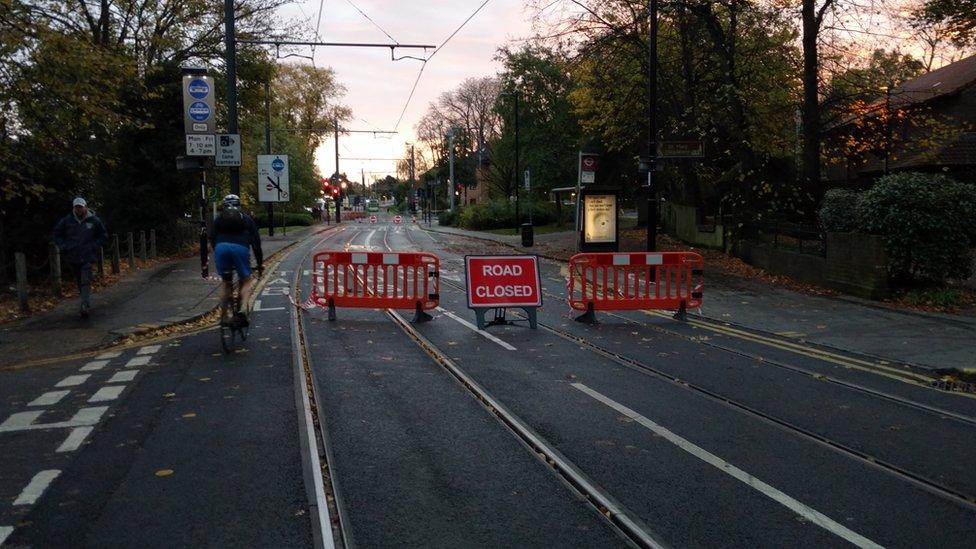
x: 599, y: 218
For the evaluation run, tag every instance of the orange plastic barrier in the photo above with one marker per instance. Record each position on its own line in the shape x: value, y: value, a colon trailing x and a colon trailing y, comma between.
x: 634, y: 281
x: 376, y: 280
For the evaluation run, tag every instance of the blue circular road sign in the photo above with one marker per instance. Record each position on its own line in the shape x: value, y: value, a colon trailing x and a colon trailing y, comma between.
x: 277, y: 165
x: 199, y: 111
x: 198, y: 89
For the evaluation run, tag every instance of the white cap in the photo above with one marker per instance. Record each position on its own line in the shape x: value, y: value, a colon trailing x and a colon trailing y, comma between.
x: 79, y: 202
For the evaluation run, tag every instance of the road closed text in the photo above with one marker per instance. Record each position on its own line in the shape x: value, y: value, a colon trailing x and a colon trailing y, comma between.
x: 503, y: 281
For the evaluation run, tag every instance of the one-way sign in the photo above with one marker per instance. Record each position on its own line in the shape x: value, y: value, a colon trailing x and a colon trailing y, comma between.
x: 272, y: 178
x: 228, y: 150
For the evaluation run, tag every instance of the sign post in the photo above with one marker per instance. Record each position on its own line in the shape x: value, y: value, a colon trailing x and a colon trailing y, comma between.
x: 501, y: 281
x: 588, y: 163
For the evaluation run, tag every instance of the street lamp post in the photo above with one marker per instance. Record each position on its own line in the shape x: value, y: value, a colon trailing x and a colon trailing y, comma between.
x: 887, y: 150
x: 651, y: 125
x: 518, y: 217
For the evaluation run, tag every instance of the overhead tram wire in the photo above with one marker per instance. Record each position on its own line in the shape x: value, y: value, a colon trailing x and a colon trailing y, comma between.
x: 429, y: 57
x: 370, y: 19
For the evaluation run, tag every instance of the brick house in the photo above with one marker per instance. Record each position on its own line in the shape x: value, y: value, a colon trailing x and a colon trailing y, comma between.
x: 924, y: 124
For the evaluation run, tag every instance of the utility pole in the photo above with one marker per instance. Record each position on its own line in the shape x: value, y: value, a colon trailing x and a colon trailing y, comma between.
x: 887, y: 153
x: 230, y: 54
x: 450, y: 187
x: 267, y: 146
x: 412, y: 180
x: 336, y: 182
x: 651, y: 126
x: 518, y: 217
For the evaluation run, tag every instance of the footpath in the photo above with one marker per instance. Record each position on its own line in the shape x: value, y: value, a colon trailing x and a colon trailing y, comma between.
x: 929, y: 341
x: 167, y: 294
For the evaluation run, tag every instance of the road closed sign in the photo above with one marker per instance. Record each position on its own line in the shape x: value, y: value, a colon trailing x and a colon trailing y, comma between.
x: 495, y: 281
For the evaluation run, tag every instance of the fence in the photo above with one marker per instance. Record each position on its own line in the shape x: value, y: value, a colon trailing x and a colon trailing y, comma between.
x: 794, y: 237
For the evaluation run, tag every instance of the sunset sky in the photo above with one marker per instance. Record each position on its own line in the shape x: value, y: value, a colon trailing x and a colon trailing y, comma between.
x: 377, y: 88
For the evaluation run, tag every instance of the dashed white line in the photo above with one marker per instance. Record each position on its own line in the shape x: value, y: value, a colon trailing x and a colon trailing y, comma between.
x: 137, y: 361
x: 49, y: 398
x: 123, y: 377
x: 5, y: 532
x: 75, y: 438
x: 148, y: 349
x: 35, y: 488
x: 475, y: 328
x: 797, y: 507
x: 94, y: 365
x: 73, y: 381
x: 104, y: 394
x: 110, y: 354
x: 24, y: 421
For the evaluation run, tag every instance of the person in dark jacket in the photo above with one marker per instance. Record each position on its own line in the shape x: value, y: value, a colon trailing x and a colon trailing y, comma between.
x: 231, y: 236
x: 78, y: 236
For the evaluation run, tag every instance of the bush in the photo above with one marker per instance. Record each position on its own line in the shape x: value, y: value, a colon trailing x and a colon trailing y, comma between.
x: 447, y: 218
x: 284, y: 218
x: 927, y: 222
x: 840, y: 211
x: 491, y: 214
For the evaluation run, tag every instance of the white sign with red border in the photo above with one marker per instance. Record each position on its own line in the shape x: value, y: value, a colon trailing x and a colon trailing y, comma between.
x: 397, y: 219
x: 495, y: 281
x: 372, y: 219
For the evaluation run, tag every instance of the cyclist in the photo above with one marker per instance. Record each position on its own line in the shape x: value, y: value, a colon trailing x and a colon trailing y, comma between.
x: 232, y: 233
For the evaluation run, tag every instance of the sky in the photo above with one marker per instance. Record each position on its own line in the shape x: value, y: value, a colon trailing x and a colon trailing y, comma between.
x: 377, y: 88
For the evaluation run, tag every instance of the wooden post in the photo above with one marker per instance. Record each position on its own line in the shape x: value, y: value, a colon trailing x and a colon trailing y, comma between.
x: 116, y: 255
x: 142, y: 245
x: 152, y: 243
x: 55, y: 261
x: 131, y: 243
x: 20, y: 262
x: 101, y: 261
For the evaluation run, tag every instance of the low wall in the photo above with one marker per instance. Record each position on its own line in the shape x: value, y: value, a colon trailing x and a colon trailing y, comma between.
x: 682, y: 222
x: 854, y: 264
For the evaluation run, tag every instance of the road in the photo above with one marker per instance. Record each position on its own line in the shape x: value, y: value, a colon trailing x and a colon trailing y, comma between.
x: 639, y: 430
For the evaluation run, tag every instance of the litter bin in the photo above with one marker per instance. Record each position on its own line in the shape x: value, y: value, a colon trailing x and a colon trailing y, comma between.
x: 527, y: 235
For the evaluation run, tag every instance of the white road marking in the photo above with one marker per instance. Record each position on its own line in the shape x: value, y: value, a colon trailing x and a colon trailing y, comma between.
x: 110, y: 354
x: 475, y: 328
x: 5, y: 532
x: 49, y: 399
x: 123, y: 376
x: 35, y: 488
x: 280, y: 281
x: 24, y: 421
x: 111, y: 392
x: 258, y: 307
x: 72, y: 381
x: 94, y: 365
x: 368, y: 238
x: 75, y: 438
x: 797, y: 507
x: 137, y: 361
x: 149, y: 349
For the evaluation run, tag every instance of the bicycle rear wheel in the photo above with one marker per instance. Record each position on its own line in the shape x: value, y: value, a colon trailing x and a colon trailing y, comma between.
x: 228, y: 328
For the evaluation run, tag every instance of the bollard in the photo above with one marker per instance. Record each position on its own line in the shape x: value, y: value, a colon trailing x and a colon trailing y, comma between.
x: 142, y: 245
x: 116, y: 259
x: 101, y: 262
x: 55, y: 262
x: 20, y: 261
x: 131, y: 243
x: 152, y: 243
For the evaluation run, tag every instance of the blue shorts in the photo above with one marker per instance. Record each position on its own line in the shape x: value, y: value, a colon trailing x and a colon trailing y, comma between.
x: 232, y: 257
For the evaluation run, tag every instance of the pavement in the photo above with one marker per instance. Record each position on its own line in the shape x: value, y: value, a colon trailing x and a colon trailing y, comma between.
x: 867, y: 328
x: 166, y: 294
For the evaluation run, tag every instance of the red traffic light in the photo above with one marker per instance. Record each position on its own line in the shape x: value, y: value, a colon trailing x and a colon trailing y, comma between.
x: 325, y: 183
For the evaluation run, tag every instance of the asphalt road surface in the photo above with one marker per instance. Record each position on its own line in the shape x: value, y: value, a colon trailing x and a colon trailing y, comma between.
x: 639, y: 430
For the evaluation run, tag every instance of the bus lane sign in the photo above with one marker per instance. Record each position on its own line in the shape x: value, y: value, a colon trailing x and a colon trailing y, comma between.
x: 503, y: 281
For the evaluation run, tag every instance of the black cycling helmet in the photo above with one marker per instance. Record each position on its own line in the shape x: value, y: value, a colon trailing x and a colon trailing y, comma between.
x: 232, y: 201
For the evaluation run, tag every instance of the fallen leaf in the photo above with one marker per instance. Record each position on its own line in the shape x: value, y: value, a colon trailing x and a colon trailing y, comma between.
x: 164, y: 472
x: 169, y: 395
x: 189, y: 415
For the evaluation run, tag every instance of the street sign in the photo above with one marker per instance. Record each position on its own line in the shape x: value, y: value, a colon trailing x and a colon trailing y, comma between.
x: 198, y: 104
x: 372, y: 219
x: 588, y: 164
x: 680, y: 149
x: 200, y: 145
x: 272, y: 178
x: 501, y: 281
x: 397, y: 219
x: 228, y: 150
x: 528, y: 184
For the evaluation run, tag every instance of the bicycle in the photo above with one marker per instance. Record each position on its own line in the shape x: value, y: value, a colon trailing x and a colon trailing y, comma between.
x: 232, y: 324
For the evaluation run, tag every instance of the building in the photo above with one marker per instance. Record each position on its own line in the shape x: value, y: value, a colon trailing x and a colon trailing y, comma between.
x: 924, y: 124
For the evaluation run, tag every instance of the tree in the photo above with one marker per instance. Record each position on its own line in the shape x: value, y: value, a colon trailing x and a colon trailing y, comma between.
x: 956, y: 17
x: 884, y: 70
x: 307, y: 98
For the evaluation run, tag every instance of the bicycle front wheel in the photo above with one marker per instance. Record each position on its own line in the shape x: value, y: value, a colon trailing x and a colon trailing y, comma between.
x: 227, y: 328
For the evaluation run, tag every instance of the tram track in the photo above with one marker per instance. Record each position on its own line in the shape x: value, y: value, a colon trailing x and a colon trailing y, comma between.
x: 935, y: 487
